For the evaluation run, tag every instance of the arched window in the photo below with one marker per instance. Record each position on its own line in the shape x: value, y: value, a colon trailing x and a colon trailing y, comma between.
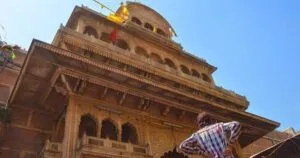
x: 156, y: 57
x: 129, y: 134
x: 173, y: 154
x: 88, y: 30
x: 109, y: 130
x: 122, y: 44
x: 161, y: 32
x: 136, y: 20
x: 195, y: 73
x: 105, y: 37
x: 88, y: 53
x: 141, y: 51
x: 185, y: 70
x: 149, y: 26
x: 170, y: 63
x: 88, y: 126
x: 206, y: 78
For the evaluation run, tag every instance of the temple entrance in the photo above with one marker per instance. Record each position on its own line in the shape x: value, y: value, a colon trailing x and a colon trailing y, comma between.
x: 173, y: 154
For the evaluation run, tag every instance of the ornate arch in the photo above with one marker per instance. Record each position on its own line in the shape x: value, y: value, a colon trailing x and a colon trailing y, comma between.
x: 91, y: 31
x: 170, y: 63
x: 109, y: 129
x: 185, y: 69
x: 89, y: 124
x: 129, y: 133
x: 206, y: 78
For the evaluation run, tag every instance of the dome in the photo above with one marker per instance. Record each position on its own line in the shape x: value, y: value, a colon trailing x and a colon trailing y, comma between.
x: 148, y: 18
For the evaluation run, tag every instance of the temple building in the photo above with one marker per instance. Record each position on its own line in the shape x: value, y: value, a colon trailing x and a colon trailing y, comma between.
x: 88, y: 96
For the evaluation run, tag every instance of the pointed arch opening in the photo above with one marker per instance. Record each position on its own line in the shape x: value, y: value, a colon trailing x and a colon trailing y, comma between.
x: 122, y: 44
x: 90, y: 31
x: 160, y: 31
x: 185, y: 70
x: 195, y: 73
x: 149, y: 26
x: 109, y: 130
x: 156, y: 57
x: 88, y: 126
x: 141, y: 51
x: 206, y: 78
x: 136, y: 20
x: 129, y: 134
x: 170, y: 63
x: 105, y: 37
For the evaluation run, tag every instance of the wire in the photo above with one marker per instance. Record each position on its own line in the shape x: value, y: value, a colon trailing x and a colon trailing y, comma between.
x: 104, y: 6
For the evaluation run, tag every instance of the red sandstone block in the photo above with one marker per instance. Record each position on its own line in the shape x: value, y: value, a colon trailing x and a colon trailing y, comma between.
x: 28, y: 155
x: 41, y: 121
x: 264, y: 142
x: 256, y: 149
x: 24, y: 139
x: 9, y: 154
x: 19, y: 116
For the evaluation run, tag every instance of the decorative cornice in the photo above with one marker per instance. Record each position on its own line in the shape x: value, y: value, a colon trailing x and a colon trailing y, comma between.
x: 140, y: 93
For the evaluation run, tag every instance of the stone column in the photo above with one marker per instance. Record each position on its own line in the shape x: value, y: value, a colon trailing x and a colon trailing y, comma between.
x: 99, y: 127
x: 71, y: 129
x: 119, y: 130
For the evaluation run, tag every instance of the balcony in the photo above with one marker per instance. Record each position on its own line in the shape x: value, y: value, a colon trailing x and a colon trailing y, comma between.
x: 99, y: 147
x: 111, y: 51
x: 105, y: 147
x: 51, y: 150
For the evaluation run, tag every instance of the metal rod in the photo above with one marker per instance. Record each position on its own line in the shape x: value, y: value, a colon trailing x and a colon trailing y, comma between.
x: 103, y: 6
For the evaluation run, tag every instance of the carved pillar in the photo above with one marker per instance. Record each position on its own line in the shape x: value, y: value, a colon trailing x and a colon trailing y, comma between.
x: 119, y: 130
x: 99, y: 128
x: 147, y: 135
x: 71, y: 129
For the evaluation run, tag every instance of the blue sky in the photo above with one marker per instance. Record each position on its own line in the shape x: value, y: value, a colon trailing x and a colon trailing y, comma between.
x: 255, y: 44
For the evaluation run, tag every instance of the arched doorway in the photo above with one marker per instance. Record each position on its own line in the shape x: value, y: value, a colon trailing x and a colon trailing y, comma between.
x: 87, y: 125
x: 90, y: 31
x: 109, y: 130
x: 129, y: 134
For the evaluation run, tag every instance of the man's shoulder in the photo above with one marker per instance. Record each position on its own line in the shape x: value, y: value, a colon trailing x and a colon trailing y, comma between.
x: 210, y: 127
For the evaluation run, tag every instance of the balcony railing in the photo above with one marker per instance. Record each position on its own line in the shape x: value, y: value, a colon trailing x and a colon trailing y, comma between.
x: 51, y: 150
x: 95, y: 144
x: 109, y: 48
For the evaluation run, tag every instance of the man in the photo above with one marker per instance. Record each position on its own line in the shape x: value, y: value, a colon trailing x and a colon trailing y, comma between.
x: 212, y: 139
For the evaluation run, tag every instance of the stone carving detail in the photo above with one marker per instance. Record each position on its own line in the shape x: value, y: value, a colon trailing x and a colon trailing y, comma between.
x: 144, y: 104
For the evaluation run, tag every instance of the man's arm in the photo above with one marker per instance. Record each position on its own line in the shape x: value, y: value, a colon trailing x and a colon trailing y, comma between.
x: 234, y: 129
